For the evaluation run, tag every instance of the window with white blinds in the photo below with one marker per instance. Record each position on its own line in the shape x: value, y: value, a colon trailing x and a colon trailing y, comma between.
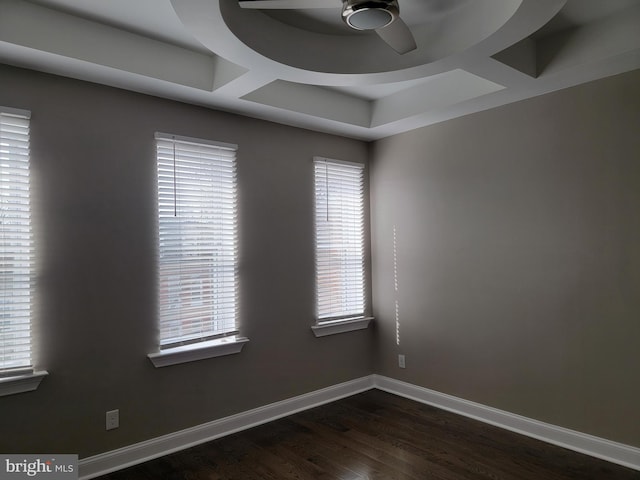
x: 339, y: 221
x: 197, y: 240
x: 16, y: 243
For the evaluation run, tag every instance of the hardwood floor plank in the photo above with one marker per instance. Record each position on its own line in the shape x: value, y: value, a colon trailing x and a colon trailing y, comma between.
x: 423, y: 451
x: 374, y: 460
x: 307, y: 447
x: 375, y: 436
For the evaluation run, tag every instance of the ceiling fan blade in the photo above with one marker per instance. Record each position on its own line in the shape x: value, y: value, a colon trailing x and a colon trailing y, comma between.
x: 288, y: 4
x: 398, y: 36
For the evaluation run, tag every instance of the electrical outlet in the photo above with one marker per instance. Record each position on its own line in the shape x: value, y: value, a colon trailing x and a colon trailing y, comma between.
x: 401, y: 361
x: 113, y: 419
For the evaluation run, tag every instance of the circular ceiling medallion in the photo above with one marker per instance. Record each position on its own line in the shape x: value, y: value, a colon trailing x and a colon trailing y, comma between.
x: 363, y: 52
x: 314, y: 46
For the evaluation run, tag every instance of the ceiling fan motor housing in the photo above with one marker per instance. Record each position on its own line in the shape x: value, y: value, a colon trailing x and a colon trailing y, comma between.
x: 369, y: 14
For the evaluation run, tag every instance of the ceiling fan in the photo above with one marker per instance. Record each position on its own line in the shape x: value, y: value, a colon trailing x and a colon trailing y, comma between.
x: 383, y: 16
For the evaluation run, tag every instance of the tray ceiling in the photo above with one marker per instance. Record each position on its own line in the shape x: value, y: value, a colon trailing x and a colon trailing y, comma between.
x: 305, y: 68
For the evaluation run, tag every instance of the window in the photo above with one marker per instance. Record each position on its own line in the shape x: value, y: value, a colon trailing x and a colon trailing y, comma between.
x: 339, y: 221
x: 16, y: 256
x: 16, y: 246
x: 197, y: 242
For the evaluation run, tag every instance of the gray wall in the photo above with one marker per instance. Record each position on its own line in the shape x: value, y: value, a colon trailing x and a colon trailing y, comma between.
x: 517, y: 235
x: 93, y: 167
x: 516, y: 259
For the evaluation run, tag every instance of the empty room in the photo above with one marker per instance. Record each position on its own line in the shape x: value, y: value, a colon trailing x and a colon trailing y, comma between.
x: 300, y: 239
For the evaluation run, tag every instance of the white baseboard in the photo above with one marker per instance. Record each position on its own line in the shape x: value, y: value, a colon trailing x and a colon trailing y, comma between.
x: 104, y: 463
x: 608, y: 450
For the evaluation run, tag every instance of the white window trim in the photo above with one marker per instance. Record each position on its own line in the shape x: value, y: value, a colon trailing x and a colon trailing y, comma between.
x: 20, y: 379
x: 324, y: 328
x: 21, y: 383
x: 197, y: 351
x: 341, y: 326
x: 201, y: 141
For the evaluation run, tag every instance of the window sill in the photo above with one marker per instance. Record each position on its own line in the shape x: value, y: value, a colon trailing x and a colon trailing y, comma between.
x: 197, y: 351
x: 341, y: 326
x: 21, y: 383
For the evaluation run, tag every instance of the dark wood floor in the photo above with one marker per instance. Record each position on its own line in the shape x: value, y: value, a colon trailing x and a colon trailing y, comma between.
x: 375, y: 435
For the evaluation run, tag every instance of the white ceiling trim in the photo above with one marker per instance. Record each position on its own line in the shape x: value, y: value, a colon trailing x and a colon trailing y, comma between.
x: 368, y: 101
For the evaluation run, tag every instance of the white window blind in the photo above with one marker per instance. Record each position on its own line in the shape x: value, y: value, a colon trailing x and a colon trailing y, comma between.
x: 16, y: 243
x: 197, y: 239
x: 339, y: 239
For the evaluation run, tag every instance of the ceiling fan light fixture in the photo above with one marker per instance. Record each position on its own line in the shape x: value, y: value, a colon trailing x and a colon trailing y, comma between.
x: 369, y: 15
